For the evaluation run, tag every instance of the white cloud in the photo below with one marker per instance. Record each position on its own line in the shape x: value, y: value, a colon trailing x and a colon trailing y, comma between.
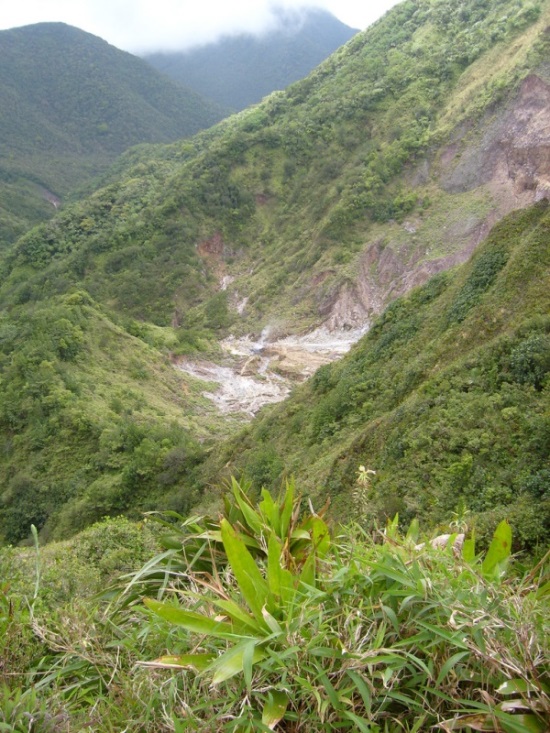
x: 146, y: 25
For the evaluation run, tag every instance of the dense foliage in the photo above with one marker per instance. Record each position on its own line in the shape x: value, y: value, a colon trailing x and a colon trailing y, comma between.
x: 94, y: 421
x: 237, y: 71
x: 285, y: 198
x: 447, y: 398
x: 266, y: 619
x: 71, y: 103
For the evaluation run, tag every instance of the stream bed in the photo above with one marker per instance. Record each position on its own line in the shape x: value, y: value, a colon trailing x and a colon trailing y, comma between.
x: 254, y: 373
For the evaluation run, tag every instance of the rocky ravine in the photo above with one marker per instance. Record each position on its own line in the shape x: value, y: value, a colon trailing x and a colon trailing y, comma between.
x: 502, y: 163
x: 259, y: 372
x: 504, y: 160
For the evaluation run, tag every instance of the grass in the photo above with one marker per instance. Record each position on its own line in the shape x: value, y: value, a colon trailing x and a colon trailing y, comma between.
x: 272, y: 618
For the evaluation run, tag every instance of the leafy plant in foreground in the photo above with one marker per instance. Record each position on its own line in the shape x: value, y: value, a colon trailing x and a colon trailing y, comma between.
x: 196, y: 545
x: 362, y: 636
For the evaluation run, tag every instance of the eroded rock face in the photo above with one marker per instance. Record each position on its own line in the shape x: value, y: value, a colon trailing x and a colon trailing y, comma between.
x: 489, y: 168
x: 513, y: 153
x: 506, y: 158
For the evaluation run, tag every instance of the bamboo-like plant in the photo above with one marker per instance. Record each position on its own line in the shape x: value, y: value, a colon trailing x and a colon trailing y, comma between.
x: 352, y: 634
x: 265, y: 610
x: 195, y: 544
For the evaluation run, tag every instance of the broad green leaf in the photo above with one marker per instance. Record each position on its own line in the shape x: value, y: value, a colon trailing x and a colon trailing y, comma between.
x: 280, y: 580
x: 275, y: 708
x: 252, y: 585
x: 182, y: 661
x: 274, y: 552
x: 544, y: 590
x: 513, y: 687
x: 270, y: 511
x: 469, y: 549
x: 287, y: 509
x: 190, y: 620
x: 252, y: 519
x: 362, y: 689
x: 521, y: 722
x: 240, y: 617
x: 498, y: 552
x: 413, y: 532
x: 380, y: 634
x: 272, y: 622
x: 216, y: 536
x: 392, y: 528
x: 300, y: 534
x: 320, y: 536
x: 232, y: 661
x: 307, y: 575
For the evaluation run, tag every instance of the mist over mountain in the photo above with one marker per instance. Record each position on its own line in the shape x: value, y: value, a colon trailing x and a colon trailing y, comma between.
x: 291, y: 223
x: 342, y: 291
x: 239, y: 70
x: 71, y: 103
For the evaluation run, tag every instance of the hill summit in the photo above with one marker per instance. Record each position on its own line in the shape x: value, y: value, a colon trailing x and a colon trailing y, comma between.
x: 71, y: 103
x: 238, y: 71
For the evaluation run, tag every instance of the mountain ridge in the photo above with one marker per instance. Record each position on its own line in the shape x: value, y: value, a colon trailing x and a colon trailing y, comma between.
x: 382, y: 167
x: 72, y: 103
x: 237, y: 71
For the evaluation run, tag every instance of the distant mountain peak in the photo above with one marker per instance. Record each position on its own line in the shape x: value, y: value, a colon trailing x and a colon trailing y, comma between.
x: 240, y: 69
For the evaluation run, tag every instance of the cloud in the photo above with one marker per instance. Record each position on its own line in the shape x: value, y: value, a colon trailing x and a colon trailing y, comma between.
x: 150, y: 25
x: 190, y: 23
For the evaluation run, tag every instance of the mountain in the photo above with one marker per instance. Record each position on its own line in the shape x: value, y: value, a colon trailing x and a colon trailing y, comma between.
x: 447, y: 399
x: 303, y: 217
x: 238, y: 71
x: 71, y: 103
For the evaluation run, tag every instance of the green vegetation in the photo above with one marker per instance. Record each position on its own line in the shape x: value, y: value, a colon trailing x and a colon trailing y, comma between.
x: 71, y: 104
x: 268, y: 616
x: 267, y: 619
x: 237, y: 71
x: 447, y: 398
x: 286, y: 198
x: 94, y: 421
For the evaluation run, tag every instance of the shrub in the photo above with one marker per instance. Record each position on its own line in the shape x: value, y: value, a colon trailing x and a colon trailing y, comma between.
x: 352, y: 633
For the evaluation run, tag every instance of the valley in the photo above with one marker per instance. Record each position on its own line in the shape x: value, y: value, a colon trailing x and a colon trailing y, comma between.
x: 255, y: 253
x: 275, y: 388
x: 257, y: 373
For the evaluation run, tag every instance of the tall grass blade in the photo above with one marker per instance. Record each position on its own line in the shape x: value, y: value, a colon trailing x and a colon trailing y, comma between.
x: 190, y: 620
x: 252, y: 585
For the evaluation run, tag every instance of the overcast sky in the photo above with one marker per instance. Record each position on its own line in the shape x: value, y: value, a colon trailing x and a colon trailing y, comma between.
x: 150, y: 25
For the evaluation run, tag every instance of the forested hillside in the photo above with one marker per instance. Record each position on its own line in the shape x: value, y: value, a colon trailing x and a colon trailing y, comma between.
x: 71, y: 103
x: 237, y: 71
x: 317, y: 208
x: 400, y: 581
x: 447, y: 399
